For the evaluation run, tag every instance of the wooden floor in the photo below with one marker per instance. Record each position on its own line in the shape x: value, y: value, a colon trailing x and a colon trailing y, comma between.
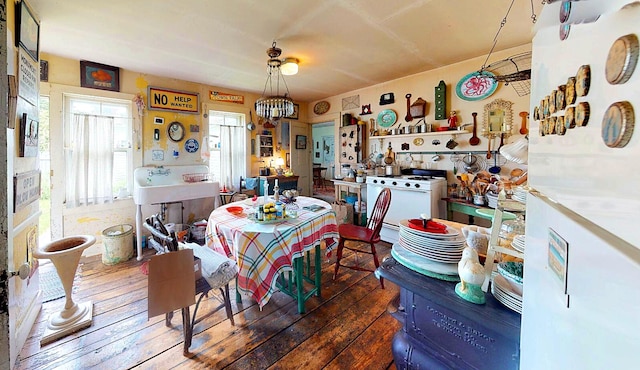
x: 347, y: 328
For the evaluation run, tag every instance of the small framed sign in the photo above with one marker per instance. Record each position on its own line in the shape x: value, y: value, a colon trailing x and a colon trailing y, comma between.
x: 99, y: 76
x: 558, y: 254
x: 26, y: 189
x: 301, y: 142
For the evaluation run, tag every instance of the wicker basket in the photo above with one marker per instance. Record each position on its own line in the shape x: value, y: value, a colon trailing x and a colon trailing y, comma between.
x: 195, y: 177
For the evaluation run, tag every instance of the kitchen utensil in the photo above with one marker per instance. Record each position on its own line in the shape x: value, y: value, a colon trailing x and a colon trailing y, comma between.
x: 496, y: 169
x: 251, y: 126
x: 475, y: 140
x: 390, y: 157
x: 523, y: 125
x: 418, y: 108
x: 451, y: 144
x: 408, y: 117
x: 489, y: 148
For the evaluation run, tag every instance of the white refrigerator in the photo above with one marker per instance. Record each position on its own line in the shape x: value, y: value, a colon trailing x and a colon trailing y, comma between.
x: 581, y: 300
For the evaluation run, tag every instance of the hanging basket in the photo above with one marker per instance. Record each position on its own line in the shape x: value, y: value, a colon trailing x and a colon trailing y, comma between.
x: 515, y: 71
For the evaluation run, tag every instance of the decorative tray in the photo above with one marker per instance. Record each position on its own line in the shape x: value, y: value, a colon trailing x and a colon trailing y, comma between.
x: 253, y: 218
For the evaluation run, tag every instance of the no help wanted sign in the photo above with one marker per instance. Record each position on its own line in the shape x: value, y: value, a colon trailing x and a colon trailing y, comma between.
x: 173, y: 100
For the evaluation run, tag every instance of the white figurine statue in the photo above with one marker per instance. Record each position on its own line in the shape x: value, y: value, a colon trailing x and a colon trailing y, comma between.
x: 471, y: 277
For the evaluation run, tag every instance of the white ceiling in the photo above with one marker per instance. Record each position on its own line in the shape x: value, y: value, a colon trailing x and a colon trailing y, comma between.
x: 342, y: 45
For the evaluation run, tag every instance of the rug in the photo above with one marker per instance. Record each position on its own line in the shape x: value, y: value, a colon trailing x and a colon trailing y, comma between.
x: 51, y: 286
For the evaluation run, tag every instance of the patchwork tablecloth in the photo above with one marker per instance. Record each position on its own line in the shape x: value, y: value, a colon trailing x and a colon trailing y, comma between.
x: 263, y: 251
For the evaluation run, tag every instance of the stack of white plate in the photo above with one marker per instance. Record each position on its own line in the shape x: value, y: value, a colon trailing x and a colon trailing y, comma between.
x: 444, y: 248
x: 518, y: 243
x: 505, y: 294
x: 492, y: 199
x: 519, y: 194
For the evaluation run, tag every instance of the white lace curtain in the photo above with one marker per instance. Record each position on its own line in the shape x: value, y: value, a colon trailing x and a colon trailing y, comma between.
x: 89, y: 160
x: 232, y: 155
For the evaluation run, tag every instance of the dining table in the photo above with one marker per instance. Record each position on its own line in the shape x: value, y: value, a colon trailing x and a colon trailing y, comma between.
x: 274, y: 255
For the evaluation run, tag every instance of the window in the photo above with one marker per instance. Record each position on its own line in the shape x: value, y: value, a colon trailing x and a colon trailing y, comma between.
x: 227, y: 147
x: 98, y: 153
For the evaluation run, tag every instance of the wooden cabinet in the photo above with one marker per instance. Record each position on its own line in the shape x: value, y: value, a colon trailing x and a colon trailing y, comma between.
x: 264, y: 146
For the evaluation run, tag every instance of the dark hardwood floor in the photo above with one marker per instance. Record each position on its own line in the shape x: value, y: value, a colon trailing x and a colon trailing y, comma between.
x: 347, y: 328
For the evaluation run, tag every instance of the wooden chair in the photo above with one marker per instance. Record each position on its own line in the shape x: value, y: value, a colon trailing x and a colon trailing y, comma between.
x: 168, y: 242
x: 361, y: 235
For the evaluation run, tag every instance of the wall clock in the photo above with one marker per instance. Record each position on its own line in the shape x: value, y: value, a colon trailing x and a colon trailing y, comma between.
x: 321, y: 107
x: 175, y: 131
x: 387, y: 118
x: 617, y: 124
x: 622, y: 59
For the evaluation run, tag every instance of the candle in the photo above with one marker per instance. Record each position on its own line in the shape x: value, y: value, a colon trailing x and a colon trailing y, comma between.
x: 276, y: 182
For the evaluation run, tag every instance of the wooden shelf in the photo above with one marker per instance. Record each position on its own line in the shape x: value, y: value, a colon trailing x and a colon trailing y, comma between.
x: 437, y: 133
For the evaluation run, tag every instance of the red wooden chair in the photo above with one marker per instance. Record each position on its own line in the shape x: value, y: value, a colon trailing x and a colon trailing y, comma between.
x: 361, y: 235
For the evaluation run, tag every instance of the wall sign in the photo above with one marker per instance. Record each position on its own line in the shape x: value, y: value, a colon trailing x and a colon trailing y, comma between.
x: 26, y: 189
x: 227, y: 98
x: 28, y: 76
x: 173, y: 100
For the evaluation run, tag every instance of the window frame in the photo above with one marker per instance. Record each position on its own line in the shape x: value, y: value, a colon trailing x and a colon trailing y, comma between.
x: 67, y: 116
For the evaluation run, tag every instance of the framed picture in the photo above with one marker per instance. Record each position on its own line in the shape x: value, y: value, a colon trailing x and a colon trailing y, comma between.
x: 99, y: 76
x: 301, y: 142
x: 296, y: 109
x: 28, y: 31
x: 28, y: 136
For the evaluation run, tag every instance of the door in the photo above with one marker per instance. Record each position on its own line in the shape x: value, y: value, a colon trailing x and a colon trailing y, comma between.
x: 18, y: 222
x: 300, y: 155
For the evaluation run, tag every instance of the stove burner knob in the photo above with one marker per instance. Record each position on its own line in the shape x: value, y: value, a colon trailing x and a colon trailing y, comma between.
x: 407, y: 184
x: 394, y: 183
x: 417, y: 186
x: 375, y: 181
x: 382, y: 182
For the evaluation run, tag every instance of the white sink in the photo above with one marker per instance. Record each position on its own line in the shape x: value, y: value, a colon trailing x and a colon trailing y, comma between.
x: 153, y: 185
x: 165, y: 184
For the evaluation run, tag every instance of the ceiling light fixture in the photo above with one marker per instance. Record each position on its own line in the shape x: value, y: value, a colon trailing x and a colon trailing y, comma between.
x: 274, y: 106
x: 289, y: 66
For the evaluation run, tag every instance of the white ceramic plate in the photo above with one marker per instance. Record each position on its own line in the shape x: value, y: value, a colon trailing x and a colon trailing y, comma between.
x: 405, y: 256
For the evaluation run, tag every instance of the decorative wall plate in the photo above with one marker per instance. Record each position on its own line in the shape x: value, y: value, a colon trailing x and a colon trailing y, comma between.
x: 570, y: 118
x: 321, y: 107
x: 582, y: 114
x: 622, y: 59
x: 560, y: 98
x: 551, y: 126
x: 418, y: 141
x: 536, y: 113
x: 191, y: 146
x: 560, y: 128
x: 476, y: 86
x: 552, y: 101
x: 583, y: 80
x: 545, y: 107
x: 570, y: 91
x: 617, y: 124
x: 387, y: 118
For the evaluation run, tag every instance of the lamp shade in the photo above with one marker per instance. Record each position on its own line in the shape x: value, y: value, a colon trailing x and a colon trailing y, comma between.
x: 289, y: 66
x: 279, y: 162
x: 517, y: 152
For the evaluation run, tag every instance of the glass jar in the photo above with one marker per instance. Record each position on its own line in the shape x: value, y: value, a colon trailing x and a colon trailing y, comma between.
x: 345, y: 170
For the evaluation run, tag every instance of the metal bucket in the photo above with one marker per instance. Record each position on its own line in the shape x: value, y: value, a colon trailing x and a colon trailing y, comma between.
x: 117, y: 242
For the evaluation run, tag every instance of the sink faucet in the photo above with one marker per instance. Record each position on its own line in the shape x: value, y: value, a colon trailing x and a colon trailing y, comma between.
x: 159, y: 171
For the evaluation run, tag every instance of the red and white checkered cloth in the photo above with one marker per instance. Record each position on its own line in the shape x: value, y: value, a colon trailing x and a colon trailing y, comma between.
x: 262, y: 251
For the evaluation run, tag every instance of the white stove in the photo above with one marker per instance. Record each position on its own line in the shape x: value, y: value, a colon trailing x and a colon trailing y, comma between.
x: 411, y: 195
